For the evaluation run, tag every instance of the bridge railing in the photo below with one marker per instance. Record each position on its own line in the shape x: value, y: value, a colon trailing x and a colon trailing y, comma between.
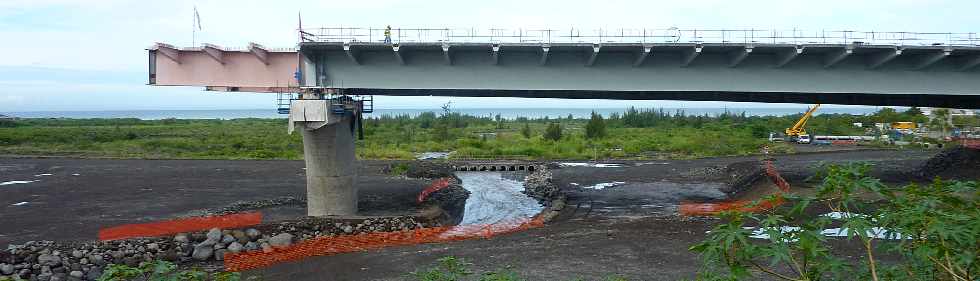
x: 669, y: 35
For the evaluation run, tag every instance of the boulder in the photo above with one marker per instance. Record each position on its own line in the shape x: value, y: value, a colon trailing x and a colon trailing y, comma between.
x: 281, y: 240
x: 202, y: 253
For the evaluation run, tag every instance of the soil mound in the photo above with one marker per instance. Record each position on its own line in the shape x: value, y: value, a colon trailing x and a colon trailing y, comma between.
x: 954, y: 163
x: 741, y: 176
x: 448, y: 204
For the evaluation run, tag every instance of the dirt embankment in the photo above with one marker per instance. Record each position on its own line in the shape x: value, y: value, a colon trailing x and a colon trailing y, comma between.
x: 741, y: 176
x: 447, y: 204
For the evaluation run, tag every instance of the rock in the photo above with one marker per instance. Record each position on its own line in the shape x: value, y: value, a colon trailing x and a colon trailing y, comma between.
x: 94, y: 273
x: 281, y: 240
x: 97, y: 260
x: 235, y: 247
x: 348, y: 229
x: 253, y: 233
x: 220, y: 254
x: 197, y: 236
x: 76, y: 274
x: 181, y: 238
x: 240, y: 236
x: 153, y: 247
x: 50, y: 260
x: 83, y: 261
x: 219, y: 246
x: 266, y: 247
x: 117, y: 255
x: 169, y: 255
x: 6, y: 269
x: 131, y: 261
x: 214, y: 234
x: 228, y: 239
x: 77, y: 254
x: 251, y: 246
x: 202, y: 253
x: 44, y: 276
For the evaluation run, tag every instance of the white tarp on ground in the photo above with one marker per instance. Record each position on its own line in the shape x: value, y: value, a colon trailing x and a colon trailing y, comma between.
x: 14, y: 182
x: 494, y: 198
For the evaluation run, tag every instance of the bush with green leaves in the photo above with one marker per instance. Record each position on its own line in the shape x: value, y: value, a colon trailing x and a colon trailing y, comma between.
x: 553, y: 132
x: 933, y: 229
x: 162, y: 271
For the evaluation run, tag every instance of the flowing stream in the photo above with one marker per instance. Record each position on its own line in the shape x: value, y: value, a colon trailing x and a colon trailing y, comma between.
x: 495, y: 198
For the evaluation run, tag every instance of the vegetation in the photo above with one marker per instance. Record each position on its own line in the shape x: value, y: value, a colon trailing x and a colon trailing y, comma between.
x: 162, y: 271
x: 455, y: 269
x: 933, y: 230
x: 635, y: 134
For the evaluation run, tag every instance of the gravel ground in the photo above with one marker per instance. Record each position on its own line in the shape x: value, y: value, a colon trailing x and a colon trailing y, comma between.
x: 625, y: 229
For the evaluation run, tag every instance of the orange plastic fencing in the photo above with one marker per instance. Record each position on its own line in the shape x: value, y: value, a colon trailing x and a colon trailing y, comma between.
x: 435, y: 186
x: 179, y: 225
x: 331, y: 245
x: 700, y: 209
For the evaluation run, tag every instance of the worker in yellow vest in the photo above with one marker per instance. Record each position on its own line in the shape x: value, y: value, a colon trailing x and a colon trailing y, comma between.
x: 388, y: 35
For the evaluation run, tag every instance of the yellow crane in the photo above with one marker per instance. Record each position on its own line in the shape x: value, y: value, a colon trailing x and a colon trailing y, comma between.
x: 798, y: 129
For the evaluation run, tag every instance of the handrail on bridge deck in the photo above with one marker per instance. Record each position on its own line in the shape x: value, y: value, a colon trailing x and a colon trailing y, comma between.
x: 622, y: 35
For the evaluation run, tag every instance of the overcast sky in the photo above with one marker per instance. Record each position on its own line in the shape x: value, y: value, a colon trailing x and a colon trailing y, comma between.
x: 89, y: 54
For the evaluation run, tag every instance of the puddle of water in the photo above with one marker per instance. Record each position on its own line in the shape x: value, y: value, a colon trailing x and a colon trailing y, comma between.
x: 19, y: 204
x: 42, y: 175
x: 15, y: 182
x: 432, y: 155
x: 76, y: 175
x: 495, y: 198
x: 601, y: 186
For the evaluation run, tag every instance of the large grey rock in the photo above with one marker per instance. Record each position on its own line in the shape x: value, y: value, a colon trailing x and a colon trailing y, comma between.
x: 76, y: 274
x: 214, y: 234
x: 281, y: 240
x: 235, y: 247
x: 182, y: 238
x: 6, y: 269
x: 50, y: 260
x: 220, y: 254
x: 227, y: 239
x: 94, y: 273
x: 77, y: 254
x: 202, y: 253
x: 153, y: 247
x: 266, y: 247
x: 253, y: 233
x: 251, y: 246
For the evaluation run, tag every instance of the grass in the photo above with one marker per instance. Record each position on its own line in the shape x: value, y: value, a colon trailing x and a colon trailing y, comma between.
x: 636, y: 134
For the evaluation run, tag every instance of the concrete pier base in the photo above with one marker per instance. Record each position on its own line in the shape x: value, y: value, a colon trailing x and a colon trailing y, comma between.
x: 331, y: 169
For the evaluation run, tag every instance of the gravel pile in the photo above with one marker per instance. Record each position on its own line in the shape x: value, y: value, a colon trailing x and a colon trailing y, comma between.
x: 957, y: 162
x: 48, y: 260
x: 741, y: 176
x: 538, y: 185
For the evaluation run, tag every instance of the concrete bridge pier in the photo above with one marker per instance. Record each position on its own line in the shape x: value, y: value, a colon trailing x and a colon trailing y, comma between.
x: 328, y: 150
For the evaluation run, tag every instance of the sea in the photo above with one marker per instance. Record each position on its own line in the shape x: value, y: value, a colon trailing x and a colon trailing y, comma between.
x: 507, y: 113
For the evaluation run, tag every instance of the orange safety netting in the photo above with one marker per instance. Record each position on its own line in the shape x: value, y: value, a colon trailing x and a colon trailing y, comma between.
x: 179, y: 225
x: 699, y: 209
x: 331, y: 245
x: 435, y: 186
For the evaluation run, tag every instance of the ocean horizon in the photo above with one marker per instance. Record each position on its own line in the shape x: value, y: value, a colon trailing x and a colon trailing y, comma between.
x: 507, y: 113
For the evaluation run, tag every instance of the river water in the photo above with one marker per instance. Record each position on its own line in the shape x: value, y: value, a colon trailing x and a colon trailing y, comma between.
x: 496, y: 197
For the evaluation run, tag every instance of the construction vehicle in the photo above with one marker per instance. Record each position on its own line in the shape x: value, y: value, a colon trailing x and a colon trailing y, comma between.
x: 798, y: 133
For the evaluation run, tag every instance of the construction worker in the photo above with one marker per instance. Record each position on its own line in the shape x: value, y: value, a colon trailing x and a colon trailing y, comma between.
x: 388, y: 35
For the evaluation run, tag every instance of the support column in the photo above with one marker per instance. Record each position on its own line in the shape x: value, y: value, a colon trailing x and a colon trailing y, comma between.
x: 331, y: 170
x: 328, y: 150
